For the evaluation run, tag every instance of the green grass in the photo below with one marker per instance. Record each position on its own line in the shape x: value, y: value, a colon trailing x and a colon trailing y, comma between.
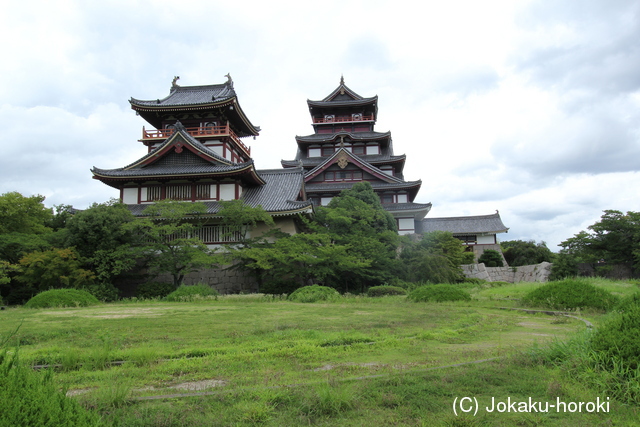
x: 268, y: 361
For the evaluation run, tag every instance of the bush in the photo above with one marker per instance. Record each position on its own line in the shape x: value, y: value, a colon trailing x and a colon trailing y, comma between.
x: 619, y: 339
x: 491, y: 258
x: 380, y: 291
x: 628, y: 303
x: 438, y: 293
x: 62, y: 298
x: 154, y: 290
x: 314, y: 293
x: 564, y: 266
x: 192, y: 293
x: 570, y: 294
x: 105, y: 292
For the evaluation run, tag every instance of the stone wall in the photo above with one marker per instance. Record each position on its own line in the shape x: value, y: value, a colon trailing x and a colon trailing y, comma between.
x: 224, y: 281
x: 526, y: 273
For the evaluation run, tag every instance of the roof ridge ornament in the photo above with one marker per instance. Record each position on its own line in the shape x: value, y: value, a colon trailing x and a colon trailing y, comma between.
x: 174, y: 84
x: 229, y: 80
x: 178, y: 126
x: 341, y: 84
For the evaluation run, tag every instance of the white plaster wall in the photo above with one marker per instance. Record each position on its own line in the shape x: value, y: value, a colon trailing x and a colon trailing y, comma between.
x: 406, y: 223
x: 130, y: 195
x: 324, y: 201
x: 314, y: 152
x: 227, y: 191
x: 486, y: 240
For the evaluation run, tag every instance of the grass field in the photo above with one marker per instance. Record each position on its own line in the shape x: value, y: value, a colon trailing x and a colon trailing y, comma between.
x: 247, y: 360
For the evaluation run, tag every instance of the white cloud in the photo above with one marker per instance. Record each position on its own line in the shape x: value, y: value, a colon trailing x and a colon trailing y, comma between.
x: 528, y: 107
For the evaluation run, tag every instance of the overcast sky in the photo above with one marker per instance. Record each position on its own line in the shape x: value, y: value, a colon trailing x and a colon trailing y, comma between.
x: 531, y: 108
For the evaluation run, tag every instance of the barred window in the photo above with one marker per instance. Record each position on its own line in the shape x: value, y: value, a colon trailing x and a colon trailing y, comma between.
x: 154, y: 193
x: 203, y: 192
x: 220, y: 234
x: 179, y: 192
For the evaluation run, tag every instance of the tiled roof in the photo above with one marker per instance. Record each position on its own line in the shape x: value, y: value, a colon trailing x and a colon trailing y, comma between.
x: 277, y: 196
x: 318, y: 188
x: 342, y: 96
x: 374, y: 159
x: 356, y: 136
x: 167, y: 170
x: 405, y: 206
x: 220, y: 97
x: 170, y: 164
x: 465, y: 224
x: 190, y: 95
x: 179, y: 130
x: 357, y: 160
x: 417, y: 210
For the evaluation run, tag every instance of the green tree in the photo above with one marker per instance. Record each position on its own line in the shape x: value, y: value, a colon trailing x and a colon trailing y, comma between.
x: 614, y: 239
x: 53, y: 269
x: 240, y: 218
x: 519, y: 252
x: 20, y: 214
x: 102, y: 236
x: 491, y: 258
x: 169, y: 241
x: 435, y: 258
x: 304, y: 258
x: 13, y: 246
x: 357, y: 220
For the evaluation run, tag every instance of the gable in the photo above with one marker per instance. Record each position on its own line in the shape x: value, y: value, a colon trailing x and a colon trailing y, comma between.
x: 183, y: 158
x: 345, y: 160
x: 178, y: 144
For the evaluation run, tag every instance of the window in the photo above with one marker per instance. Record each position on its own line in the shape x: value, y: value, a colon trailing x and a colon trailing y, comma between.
x: 469, y: 239
x: 179, y: 192
x: 315, y: 152
x: 329, y: 117
x: 394, y: 198
x: 356, y: 116
x: 219, y: 234
x: 203, y: 192
x: 358, y: 149
x: 373, y: 149
x: 328, y: 150
x: 153, y: 194
x: 343, y: 176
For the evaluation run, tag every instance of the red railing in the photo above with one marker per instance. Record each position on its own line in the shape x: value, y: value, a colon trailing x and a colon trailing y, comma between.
x: 198, y: 132
x: 342, y: 119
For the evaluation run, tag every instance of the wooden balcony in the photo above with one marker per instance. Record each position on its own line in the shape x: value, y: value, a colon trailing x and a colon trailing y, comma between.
x: 343, y: 119
x: 197, y: 132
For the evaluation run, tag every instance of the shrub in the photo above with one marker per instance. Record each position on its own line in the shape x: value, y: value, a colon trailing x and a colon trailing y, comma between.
x: 380, y: 291
x: 565, y: 265
x: 628, y: 303
x: 103, y: 291
x: 438, y: 293
x: 62, y: 298
x: 314, y: 293
x: 570, y: 294
x: 192, y: 293
x: 619, y: 339
x: 154, y: 290
x: 491, y: 258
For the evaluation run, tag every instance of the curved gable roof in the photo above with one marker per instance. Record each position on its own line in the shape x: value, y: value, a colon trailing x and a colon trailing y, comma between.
x: 362, y: 164
x: 480, y: 224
